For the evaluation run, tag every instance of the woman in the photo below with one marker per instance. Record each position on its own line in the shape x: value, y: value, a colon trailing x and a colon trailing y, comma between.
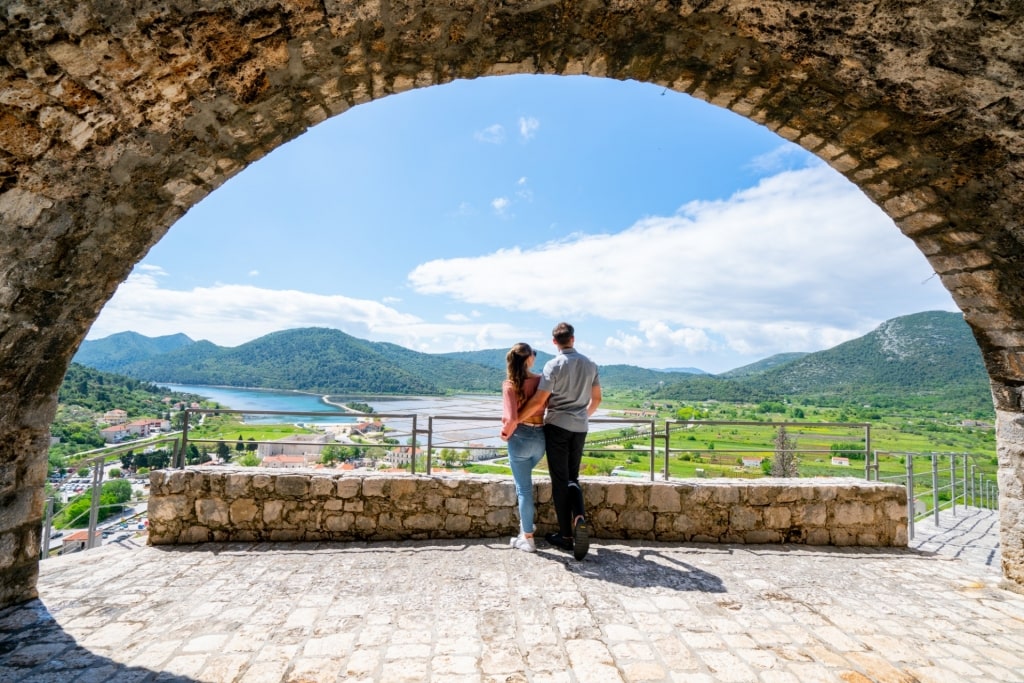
x: 525, y: 439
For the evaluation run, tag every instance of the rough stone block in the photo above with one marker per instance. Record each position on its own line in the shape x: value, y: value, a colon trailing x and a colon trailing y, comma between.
x: 374, y: 486
x: 212, y: 512
x: 243, y: 510
x: 321, y: 487
x: 665, y: 499
x: 348, y: 488
x: 744, y: 518
x: 290, y: 485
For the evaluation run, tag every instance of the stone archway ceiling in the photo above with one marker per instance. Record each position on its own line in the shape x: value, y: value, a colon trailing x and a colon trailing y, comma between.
x: 119, y: 116
x: 116, y: 116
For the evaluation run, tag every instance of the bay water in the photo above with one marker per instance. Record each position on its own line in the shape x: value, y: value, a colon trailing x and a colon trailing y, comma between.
x: 485, y: 410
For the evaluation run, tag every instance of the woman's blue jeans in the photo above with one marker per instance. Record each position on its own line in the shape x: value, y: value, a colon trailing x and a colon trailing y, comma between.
x: 525, y: 449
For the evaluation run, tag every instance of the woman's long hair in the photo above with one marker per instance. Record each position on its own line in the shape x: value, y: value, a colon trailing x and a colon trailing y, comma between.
x: 515, y: 360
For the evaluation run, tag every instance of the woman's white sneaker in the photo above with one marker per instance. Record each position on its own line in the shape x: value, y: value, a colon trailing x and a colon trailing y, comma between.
x: 524, y: 543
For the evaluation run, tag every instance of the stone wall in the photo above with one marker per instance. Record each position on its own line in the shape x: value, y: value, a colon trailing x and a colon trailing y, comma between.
x: 200, y: 504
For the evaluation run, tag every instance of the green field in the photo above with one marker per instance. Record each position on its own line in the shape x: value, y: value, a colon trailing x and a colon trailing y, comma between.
x: 705, y: 449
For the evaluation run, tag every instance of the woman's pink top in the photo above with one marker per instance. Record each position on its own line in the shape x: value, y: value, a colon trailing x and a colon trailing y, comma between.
x: 511, y: 404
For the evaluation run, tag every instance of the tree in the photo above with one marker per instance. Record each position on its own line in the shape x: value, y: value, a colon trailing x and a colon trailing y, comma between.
x: 159, y: 459
x: 249, y: 460
x: 251, y: 445
x: 784, y: 460
x: 223, y: 451
x: 331, y: 454
x: 128, y: 460
x: 240, y: 446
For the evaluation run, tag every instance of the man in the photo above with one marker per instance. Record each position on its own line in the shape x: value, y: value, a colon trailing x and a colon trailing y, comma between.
x: 570, y: 387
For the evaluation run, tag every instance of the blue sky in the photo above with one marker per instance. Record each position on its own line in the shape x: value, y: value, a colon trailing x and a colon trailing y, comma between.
x: 477, y: 214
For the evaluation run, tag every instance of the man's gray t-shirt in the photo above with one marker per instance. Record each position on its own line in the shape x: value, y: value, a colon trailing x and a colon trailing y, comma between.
x: 570, y: 377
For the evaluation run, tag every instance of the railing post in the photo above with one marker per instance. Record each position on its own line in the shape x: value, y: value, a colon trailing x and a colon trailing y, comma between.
x: 184, y: 438
x: 974, y: 495
x: 412, y: 460
x: 44, y: 549
x: 867, y: 460
x: 430, y: 440
x: 909, y: 457
x: 653, y: 452
x: 94, y: 510
x: 952, y: 482
x: 966, y: 503
x: 867, y: 449
x: 935, y: 485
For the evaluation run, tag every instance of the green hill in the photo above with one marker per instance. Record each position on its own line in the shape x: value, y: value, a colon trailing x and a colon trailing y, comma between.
x: 316, y: 359
x: 764, y: 364
x: 113, y: 353
x: 494, y: 358
x: 926, y: 359
x: 612, y: 376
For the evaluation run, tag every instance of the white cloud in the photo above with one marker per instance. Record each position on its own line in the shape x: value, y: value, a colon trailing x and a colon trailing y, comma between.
x: 152, y: 269
x: 780, y: 158
x: 494, y: 134
x: 523, y: 191
x: 228, y: 315
x: 801, y: 261
x: 500, y: 205
x: 253, y: 273
x: 528, y: 127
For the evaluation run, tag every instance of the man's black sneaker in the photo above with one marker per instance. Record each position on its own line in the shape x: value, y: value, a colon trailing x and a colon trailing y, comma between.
x: 581, y: 539
x: 556, y: 540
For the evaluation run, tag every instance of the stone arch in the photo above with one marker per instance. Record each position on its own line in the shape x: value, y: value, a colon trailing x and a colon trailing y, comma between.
x: 116, y: 117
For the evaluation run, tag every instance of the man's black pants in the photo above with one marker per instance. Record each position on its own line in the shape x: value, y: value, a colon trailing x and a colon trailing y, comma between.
x: 565, y: 451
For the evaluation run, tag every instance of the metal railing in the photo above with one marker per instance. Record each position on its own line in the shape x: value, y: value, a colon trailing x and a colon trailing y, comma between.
x: 95, y: 461
x: 936, y: 488
x: 972, y: 487
x: 435, y: 435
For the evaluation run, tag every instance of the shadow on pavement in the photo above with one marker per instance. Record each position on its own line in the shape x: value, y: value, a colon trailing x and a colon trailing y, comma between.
x: 646, y: 568
x: 34, y: 647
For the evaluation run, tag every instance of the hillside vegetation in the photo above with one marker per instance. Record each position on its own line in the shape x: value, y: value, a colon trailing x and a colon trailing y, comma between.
x: 927, y: 360
x: 923, y: 360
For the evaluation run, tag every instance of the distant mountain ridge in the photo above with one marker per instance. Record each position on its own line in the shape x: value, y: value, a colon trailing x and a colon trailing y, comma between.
x: 928, y: 358
x: 763, y: 365
x: 114, y: 353
x: 931, y: 357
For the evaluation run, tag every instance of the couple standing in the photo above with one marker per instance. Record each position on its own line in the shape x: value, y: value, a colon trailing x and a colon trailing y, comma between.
x: 570, y: 391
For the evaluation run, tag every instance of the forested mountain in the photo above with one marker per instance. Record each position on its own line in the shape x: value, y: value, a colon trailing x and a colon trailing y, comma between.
x: 926, y: 359
x: 612, y: 376
x: 764, y: 364
x: 87, y: 393
x: 316, y: 359
x: 114, y: 353
x: 495, y: 358
x: 102, y: 391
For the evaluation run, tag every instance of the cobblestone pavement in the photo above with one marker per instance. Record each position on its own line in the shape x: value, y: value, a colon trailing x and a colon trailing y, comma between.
x: 480, y: 611
x: 971, y: 534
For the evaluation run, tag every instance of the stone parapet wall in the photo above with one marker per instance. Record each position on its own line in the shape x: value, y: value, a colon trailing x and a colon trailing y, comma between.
x: 198, y: 505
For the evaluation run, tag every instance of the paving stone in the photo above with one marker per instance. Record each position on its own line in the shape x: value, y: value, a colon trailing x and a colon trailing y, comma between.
x: 770, y: 616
